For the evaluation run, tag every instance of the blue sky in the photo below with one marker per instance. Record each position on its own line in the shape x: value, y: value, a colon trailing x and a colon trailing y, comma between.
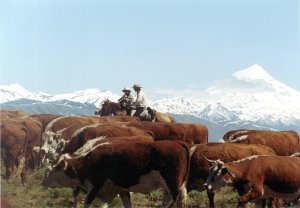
x: 60, y: 46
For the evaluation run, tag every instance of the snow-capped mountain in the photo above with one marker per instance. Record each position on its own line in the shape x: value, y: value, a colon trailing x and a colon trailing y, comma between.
x: 247, y: 99
x: 92, y: 96
x: 250, y: 95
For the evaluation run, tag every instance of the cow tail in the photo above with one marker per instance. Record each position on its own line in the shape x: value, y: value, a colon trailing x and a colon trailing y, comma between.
x: 183, y: 195
x: 21, y: 158
x: 190, y: 151
x: 39, y: 156
x: 25, y: 145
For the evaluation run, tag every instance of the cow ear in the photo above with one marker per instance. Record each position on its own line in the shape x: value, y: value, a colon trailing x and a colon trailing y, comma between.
x: 224, y: 171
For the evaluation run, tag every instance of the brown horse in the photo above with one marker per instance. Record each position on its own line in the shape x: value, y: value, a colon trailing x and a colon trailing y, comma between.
x: 110, y: 108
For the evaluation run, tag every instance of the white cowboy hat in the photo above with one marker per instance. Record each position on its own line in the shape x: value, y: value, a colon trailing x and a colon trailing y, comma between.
x: 136, y: 86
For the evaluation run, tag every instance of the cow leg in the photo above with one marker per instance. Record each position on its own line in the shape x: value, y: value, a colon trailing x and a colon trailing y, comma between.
x: 276, y: 202
x: 254, y: 193
x: 125, y: 197
x: 75, y: 194
x: 211, y: 195
x: 20, y: 168
x: 90, y: 197
x: 9, y: 166
x: 182, y: 197
x: 23, y: 176
x: 167, y: 198
x: 179, y: 196
x: 261, y: 203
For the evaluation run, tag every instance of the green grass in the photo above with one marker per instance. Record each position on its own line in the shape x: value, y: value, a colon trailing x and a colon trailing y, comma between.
x: 33, y: 195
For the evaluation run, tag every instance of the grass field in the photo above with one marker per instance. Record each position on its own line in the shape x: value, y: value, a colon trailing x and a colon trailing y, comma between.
x: 33, y: 195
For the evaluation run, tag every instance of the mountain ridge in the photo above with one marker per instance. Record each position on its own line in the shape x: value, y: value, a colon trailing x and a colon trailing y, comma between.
x: 248, y: 98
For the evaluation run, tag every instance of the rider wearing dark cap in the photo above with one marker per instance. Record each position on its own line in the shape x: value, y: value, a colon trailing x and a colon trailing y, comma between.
x: 126, y: 100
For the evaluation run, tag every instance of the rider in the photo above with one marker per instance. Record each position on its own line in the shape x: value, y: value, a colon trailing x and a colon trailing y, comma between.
x: 126, y: 100
x: 141, y: 101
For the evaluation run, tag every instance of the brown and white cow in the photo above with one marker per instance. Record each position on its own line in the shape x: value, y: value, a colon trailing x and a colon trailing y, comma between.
x: 141, y: 167
x: 90, y: 132
x: 284, y: 143
x: 60, y: 130
x: 18, y: 138
x: 189, y: 133
x: 227, y: 152
x: 96, y: 142
x: 267, y: 176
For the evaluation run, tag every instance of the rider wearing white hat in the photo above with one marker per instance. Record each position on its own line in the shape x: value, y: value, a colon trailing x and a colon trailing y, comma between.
x: 140, y: 102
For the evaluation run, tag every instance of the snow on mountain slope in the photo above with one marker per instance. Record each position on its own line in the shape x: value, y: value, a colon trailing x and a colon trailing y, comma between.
x: 249, y: 96
x: 93, y: 96
x: 255, y: 74
x: 12, y: 92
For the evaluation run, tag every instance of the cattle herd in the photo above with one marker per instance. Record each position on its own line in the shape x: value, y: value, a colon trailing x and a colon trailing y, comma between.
x: 120, y: 155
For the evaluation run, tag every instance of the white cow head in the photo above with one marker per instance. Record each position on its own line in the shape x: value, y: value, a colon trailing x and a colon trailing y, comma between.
x: 61, y: 174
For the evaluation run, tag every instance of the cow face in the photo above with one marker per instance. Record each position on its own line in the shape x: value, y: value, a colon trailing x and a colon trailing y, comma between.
x: 60, y: 175
x: 216, y: 178
x: 51, y: 145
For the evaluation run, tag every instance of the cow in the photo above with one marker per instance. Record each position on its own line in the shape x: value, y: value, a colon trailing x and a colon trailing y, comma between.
x: 284, y: 143
x: 199, y: 169
x: 45, y: 119
x: 60, y: 130
x: 103, y: 140
x: 84, y: 134
x: 189, y: 133
x: 108, y: 170
x: 266, y: 175
x: 230, y: 135
x: 18, y: 138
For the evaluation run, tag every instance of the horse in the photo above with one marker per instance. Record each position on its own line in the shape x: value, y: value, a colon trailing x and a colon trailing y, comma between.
x: 109, y: 108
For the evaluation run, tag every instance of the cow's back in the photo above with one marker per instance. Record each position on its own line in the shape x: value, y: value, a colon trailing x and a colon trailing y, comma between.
x: 283, y: 143
x: 189, y: 133
x: 91, y: 132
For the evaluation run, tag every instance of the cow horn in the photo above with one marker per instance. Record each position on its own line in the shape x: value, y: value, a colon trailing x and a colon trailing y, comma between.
x: 220, y: 161
x: 210, y: 161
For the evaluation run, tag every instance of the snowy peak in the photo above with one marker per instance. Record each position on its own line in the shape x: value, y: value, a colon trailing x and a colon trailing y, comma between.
x: 254, y: 72
x: 15, y: 88
x: 256, y: 77
x: 12, y: 92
